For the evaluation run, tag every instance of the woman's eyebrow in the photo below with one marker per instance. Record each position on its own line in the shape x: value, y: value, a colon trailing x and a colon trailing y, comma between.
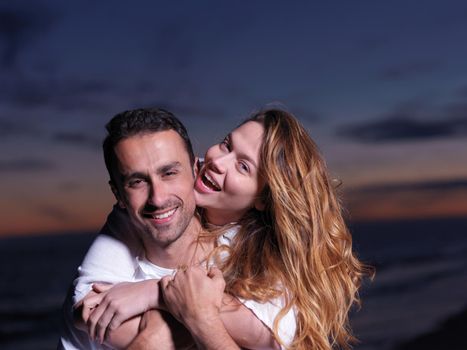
x: 242, y: 154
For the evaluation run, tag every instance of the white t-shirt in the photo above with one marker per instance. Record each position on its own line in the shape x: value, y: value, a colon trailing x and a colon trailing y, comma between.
x: 118, y: 256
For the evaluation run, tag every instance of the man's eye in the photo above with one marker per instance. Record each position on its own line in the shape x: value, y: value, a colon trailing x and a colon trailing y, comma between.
x: 136, y: 183
x: 171, y: 173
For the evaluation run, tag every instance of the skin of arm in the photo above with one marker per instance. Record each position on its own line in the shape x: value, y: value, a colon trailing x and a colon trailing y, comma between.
x: 160, y: 330
x: 111, y: 306
x: 194, y: 297
x: 119, y: 338
x: 112, y: 314
x: 241, y: 324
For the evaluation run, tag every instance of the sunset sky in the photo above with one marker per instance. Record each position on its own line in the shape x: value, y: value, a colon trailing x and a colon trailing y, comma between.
x: 381, y: 87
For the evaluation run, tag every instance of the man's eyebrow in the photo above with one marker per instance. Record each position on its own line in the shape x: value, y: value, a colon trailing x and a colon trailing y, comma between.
x: 135, y: 175
x: 165, y: 168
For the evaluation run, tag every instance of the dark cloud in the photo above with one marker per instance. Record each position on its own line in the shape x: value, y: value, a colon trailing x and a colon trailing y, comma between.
x: 77, y: 139
x: 67, y: 94
x: 26, y: 165
x: 305, y: 114
x: 411, y: 123
x: 55, y: 213
x: 10, y: 128
x: 404, y: 129
x: 19, y: 28
x: 425, y: 186
x: 181, y: 110
x: 409, y: 70
x: 198, y: 111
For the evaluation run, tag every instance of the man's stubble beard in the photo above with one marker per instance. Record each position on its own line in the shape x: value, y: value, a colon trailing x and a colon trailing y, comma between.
x: 166, y: 235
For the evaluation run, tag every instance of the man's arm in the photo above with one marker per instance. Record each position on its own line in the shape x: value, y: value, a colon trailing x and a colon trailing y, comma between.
x: 126, y: 300
x: 194, y: 297
x: 110, y: 259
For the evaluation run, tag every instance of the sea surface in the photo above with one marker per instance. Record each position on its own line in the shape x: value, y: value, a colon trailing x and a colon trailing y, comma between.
x: 419, y: 291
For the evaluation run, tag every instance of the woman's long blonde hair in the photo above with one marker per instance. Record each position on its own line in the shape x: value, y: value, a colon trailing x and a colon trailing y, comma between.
x: 299, y: 242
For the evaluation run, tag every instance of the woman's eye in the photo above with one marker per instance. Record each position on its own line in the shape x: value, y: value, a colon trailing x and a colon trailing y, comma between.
x: 225, y: 144
x: 243, y: 167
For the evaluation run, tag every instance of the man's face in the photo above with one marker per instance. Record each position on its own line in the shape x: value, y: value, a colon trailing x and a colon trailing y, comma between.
x: 155, y: 184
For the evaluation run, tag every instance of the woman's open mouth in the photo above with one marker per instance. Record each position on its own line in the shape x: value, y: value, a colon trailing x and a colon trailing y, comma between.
x: 206, y: 183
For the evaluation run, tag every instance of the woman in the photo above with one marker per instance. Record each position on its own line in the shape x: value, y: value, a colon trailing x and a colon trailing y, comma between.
x: 268, y: 178
x: 294, y: 237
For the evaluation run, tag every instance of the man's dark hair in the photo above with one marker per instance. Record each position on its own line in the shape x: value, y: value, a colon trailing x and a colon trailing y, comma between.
x: 139, y: 122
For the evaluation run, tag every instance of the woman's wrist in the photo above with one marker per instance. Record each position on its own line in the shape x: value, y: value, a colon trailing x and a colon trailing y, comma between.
x: 209, y: 333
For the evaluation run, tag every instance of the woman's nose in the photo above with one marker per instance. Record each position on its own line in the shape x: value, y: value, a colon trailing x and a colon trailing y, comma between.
x: 220, y: 163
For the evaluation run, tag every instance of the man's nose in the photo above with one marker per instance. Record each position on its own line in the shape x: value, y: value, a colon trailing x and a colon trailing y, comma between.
x: 158, y: 195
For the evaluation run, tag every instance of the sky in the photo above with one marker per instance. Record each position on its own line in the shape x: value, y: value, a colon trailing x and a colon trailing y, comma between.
x: 380, y: 86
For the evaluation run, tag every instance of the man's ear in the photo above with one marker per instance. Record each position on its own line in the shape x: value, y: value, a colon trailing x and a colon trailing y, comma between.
x: 114, y: 189
x: 196, y: 167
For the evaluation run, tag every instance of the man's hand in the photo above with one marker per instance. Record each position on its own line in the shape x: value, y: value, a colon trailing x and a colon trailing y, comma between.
x: 194, y: 293
x: 194, y: 297
x: 112, y: 305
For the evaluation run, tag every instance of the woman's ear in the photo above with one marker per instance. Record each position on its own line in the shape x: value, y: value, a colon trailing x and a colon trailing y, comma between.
x: 260, y: 204
x: 114, y: 189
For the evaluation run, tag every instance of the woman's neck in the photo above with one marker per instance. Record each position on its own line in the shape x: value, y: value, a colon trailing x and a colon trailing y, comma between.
x: 221, y: 218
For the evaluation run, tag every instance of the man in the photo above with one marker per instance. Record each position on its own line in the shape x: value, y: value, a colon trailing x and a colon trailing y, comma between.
x: 150, y: 162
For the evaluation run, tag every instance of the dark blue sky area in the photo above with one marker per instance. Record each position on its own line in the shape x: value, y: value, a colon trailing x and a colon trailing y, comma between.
x: 382, y: 88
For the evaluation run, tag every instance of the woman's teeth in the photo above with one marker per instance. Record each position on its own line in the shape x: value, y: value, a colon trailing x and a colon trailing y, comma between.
x: 208, y: 181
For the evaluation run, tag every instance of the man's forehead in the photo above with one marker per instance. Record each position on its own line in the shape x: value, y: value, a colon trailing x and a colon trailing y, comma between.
x: 157, y: 139
x: 152, y: 147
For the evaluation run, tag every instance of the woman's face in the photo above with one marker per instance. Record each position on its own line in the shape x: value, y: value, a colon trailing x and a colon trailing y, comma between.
x: 228, y: 184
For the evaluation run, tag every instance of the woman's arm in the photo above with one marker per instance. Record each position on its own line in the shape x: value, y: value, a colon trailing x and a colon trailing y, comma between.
x: 126, y: 300
x: 246, y: 329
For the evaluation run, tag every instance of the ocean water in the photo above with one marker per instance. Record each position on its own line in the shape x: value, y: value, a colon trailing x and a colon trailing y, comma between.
x: 421, y: 280
x: 35, y: 273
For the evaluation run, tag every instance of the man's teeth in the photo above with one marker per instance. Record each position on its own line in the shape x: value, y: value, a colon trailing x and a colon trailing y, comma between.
x: 211, y: 182
x: 164, y: 215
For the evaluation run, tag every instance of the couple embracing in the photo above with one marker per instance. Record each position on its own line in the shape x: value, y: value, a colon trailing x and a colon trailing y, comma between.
x: 246, y: 249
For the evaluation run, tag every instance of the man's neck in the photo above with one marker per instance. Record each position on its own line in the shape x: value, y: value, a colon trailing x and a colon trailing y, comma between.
x: 183, y: 251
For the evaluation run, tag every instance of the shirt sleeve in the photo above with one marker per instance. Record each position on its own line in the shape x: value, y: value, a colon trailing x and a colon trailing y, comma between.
x: 111, y: 257
x: 267, y: 313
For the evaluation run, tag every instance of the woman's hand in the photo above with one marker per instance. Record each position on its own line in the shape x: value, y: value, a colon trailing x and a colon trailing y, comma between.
x: 109, y: 306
